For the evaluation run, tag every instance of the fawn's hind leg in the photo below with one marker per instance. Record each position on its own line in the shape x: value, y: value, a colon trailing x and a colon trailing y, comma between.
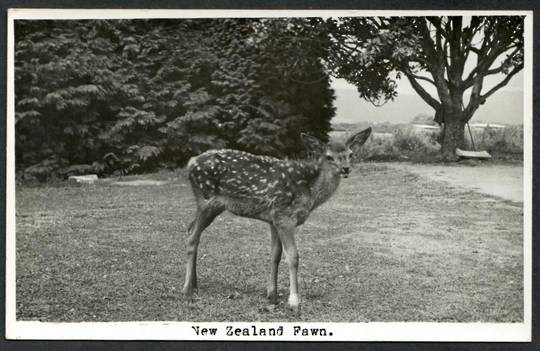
x: 271, y: 291
x: 203, y: 218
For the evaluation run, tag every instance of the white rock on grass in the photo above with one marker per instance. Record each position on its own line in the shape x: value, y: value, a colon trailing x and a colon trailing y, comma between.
x: 84, y: 179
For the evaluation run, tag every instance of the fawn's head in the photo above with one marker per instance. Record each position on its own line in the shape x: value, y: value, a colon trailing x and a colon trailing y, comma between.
x: 336, y: 154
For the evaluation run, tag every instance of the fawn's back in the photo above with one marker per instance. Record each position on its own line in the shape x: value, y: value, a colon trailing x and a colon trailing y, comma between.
x: 253, y: 186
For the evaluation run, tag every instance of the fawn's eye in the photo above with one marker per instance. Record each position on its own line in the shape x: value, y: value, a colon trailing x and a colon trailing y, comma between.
x: 329, y: 158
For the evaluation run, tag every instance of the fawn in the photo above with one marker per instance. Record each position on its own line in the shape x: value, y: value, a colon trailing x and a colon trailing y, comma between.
x: 280, y: 192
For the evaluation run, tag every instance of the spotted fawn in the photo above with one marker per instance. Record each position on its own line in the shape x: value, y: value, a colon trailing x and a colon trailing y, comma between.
x: 280, y: 192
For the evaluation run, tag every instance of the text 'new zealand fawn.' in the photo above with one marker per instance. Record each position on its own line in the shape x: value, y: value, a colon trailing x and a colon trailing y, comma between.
x: 280, y: 192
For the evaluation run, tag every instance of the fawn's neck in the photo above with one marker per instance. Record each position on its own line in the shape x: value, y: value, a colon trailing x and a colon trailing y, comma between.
x: 326, y: 184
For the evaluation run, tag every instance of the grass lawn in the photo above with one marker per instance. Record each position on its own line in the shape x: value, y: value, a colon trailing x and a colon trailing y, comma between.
x: 389, y: 246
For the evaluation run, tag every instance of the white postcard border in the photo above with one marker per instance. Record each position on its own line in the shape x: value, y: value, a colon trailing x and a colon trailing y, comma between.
x: 409, y: 331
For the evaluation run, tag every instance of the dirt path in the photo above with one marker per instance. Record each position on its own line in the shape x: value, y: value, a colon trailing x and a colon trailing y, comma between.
x: 504, y: 181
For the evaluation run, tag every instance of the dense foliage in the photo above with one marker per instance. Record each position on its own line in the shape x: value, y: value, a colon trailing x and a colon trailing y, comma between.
x: 132, y: 95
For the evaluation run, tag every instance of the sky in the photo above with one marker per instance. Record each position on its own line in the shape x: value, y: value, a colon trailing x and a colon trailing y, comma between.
x: 505, y: 106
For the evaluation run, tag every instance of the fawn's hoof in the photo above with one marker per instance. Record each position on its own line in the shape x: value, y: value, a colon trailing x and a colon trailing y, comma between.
x: 188, y: 293
x: 295, y: 309
x: 294, y: 304
x: 186, y: 296
x: 272, y: 296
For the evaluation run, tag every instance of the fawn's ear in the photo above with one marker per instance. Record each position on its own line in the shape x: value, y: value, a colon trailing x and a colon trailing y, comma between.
x: 312, y: 144
x: 359, y: 138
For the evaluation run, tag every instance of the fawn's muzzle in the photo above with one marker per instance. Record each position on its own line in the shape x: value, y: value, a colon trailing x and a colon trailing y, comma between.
x: 345, y: 172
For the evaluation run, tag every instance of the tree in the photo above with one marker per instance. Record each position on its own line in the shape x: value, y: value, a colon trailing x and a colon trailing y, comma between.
x: 63, y: 83
x: 151, y: 93
x: 451, y: 54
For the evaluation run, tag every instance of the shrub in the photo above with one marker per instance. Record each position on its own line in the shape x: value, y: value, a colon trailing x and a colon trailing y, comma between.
x: 398, y: 142
x: 403, y: 142
x: 409, y: 139
x: 379, y: 147
x: 498, y: 141
x: 42, y: 171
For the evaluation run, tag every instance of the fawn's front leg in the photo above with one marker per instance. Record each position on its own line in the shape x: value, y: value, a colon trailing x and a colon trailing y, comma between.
x: 276, y: 258
x: 286, y: 230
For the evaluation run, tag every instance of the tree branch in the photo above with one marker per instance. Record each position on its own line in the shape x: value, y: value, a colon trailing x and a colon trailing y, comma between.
x: 457, y: 57
x: 483, y: 66
x: 474, y: 100
x: 475, y: 50
x: 502, y: 83
x: 435, y: 59
x: 429, y: 45
x: 422, y: 92
x: 415, y: 76
x: 495, y: 70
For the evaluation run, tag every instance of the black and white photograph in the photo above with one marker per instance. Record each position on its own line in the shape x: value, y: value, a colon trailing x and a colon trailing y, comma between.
x: 269, y: 175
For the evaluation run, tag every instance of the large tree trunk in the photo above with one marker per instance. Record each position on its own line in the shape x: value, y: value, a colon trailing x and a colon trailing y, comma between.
x: 453, y: 136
